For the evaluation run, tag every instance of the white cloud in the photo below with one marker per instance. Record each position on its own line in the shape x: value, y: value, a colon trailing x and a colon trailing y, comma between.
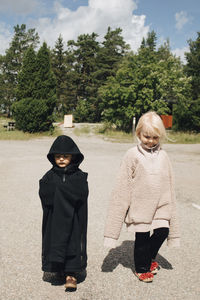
x: 20, y: 7
x: 181, y: 19
x: 5, y: 37
x: 180, y: 52
x: 96, y: 17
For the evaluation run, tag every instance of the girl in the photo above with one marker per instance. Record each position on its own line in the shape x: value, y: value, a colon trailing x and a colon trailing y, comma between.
x: 144, y: 198
x: 64, y: 192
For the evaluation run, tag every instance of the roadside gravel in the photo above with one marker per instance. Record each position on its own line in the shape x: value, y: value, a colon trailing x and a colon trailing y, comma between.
x: 109, y: 273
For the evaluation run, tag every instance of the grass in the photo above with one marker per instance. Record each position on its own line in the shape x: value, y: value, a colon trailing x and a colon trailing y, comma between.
x: 87, y: 129
x: 108, y: 133
x: 20, y: 135
x: 118, y: 136
x: 175, y: 137
x: 103, y: 130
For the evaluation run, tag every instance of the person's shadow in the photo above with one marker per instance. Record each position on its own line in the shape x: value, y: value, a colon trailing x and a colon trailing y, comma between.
x: 124, y: 255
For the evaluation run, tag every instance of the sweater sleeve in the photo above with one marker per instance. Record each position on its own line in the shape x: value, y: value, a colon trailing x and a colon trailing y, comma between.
x: 120, y: 200
x: 173, y: 239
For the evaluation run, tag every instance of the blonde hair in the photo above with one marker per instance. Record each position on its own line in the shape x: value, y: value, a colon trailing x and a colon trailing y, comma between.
x: 152, y: 124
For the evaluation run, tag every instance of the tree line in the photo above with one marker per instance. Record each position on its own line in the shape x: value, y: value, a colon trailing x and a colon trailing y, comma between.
x: 97, y: 81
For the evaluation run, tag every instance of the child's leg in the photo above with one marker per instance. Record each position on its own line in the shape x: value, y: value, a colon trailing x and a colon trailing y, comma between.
x: 142, y: 254
x: 156, y: 240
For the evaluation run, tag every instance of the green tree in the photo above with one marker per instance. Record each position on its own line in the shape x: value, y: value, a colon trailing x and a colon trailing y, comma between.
x: 192, y: 67
x: 45, y: 82
x: 187, y: 115
x: 33, y: 115
x: 163, y: 52
x: 81, y: 56
x: 34, y: 110
x: 21, y: 41
x: 2, y: 97
x: 59, y: 67
x: 143, y: 82
x: 27, y: 75
x: 11, y: 62
x: 110, y: 54
x: 151, y: 40
x: 5, y: 90
x: 187, y: 111
x: 83, y: 68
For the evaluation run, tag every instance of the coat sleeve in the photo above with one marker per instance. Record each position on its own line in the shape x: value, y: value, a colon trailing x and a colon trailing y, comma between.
x: 120, y: 201
x: 46, y: 190
x: 173, y: 239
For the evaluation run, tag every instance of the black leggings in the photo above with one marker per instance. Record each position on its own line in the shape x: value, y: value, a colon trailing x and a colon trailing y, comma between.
x: 147, y: 247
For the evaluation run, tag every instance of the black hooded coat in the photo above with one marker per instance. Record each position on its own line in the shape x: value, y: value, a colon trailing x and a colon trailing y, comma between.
x: 63, y: 193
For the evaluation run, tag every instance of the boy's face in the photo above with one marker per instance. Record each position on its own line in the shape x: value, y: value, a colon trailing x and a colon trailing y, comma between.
x: 62, y: 160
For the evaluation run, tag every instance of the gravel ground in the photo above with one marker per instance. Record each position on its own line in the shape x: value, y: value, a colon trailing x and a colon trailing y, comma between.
x: 109, y: 273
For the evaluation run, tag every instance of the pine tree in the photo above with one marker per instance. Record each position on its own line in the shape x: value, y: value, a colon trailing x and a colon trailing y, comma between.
x: 192, y: 67
x: 21, y: 41
x: 27, y: 76
x: 11, y: 62
x: 45, y: 82
x: 187, y: 113
x: 34, y: 111
x: 81, y: 57
x: 110, y: 54
x: 151, y: 40
x: 60, y: 71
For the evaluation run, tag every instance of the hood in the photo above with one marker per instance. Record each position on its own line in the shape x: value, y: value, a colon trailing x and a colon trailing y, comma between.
x: 65, y: 145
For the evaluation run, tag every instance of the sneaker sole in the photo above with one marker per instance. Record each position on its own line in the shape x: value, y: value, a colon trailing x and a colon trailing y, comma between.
x: 149, y: 280
x: 154, y: 272
x: 70, y: 288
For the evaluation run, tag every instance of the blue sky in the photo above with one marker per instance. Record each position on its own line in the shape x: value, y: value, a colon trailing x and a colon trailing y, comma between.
x: 178, y: 20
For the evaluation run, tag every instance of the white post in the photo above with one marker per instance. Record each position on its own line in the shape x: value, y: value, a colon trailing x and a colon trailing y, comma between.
x: 134, y: 121
x: 68, y: 121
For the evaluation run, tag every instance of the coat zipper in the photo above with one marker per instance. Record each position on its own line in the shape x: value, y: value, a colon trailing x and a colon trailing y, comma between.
x: 64, y: 175
x: 64, y: 178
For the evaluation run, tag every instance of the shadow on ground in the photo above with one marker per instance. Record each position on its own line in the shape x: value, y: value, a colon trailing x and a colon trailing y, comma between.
x: 124, y: 255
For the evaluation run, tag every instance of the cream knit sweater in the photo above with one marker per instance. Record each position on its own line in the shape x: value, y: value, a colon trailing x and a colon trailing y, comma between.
x: 143, y: 195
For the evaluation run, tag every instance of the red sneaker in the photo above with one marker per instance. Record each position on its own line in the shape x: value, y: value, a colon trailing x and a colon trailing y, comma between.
x: 154, y: 267
x: 145, y: 277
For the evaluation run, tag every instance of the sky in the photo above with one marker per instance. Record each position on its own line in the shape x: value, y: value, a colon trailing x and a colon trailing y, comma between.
x: 176, y: 20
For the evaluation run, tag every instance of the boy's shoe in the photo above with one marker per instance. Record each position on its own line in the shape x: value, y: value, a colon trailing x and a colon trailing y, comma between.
x: 154, y: 267
x: 71, y: 284
x: 145, y: 277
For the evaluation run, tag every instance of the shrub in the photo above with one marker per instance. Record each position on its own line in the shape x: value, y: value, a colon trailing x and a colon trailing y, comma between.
x: 187, y: 116
x: 33, y: 115
x: 84, y: 112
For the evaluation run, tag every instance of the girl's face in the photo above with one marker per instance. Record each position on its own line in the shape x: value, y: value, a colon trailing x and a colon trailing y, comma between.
x: 149, y: 140
x: 62, y: 160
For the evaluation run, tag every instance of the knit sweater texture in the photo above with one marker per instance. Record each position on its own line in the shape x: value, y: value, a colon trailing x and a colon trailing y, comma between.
x: 143, y: 195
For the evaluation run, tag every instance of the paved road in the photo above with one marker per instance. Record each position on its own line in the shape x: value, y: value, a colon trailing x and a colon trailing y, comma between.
x: 110, y: 273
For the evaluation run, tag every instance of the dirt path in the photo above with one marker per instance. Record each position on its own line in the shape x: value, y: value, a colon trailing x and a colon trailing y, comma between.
x: 110, y: 273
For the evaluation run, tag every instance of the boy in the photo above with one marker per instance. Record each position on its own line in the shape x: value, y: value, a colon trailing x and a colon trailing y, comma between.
x: 63, y: 193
